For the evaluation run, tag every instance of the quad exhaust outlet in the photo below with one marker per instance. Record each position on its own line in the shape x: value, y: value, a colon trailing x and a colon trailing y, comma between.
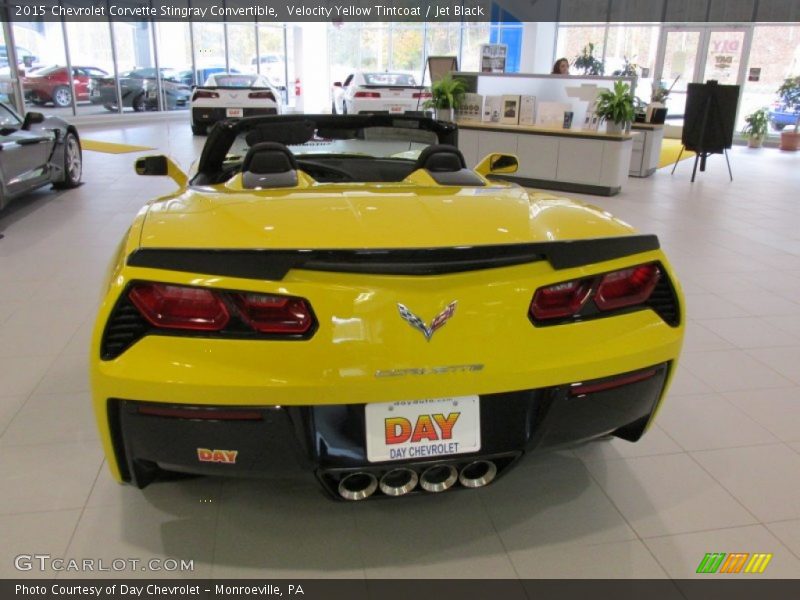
x: 477, y: 474
x: 438, y: 478
x: 399, y: 482
x: 358, y: 486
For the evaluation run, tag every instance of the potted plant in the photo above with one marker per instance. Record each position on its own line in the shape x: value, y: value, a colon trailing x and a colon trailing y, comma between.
x: 757, y: 124
x: 789, y: 93
x: 615, y: 107
x: 587, y: 61
x: 447, y: 94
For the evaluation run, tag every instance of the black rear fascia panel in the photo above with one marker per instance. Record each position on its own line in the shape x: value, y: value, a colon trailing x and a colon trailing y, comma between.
x: 274, y: 264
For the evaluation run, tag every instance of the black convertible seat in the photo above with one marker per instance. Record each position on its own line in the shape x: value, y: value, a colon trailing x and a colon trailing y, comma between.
x: 269, y: 165
x: 447, y: 166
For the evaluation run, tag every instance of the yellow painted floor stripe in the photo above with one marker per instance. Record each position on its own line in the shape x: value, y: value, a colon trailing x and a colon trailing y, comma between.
x: 111, y: 147
x: 670, y: 149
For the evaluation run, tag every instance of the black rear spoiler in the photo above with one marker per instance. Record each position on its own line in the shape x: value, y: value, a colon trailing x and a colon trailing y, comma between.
x: 275, y: 264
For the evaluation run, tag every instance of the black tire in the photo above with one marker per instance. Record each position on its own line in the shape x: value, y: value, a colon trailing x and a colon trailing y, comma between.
x: 62, y: 96
x: 73, y: 164
x: 778, y: 126
x: 199, y: 129
x: 110, y: 107
x: 138, y: 103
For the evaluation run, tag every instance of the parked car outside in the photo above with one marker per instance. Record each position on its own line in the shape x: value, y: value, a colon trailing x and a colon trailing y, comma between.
x: 52, y: 84
x: 139, y: 90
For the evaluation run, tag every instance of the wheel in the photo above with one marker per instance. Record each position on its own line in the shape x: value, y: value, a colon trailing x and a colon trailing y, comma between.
x: 778, y: 126
x: 199, y: 129
x: 73, y: 163
x: 138, y: 103
x: 62, y: 96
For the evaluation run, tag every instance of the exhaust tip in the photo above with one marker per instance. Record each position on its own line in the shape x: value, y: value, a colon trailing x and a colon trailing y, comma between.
x: 399, y: 482
x: 478, y: 474
x: 438, y: 478
x: 357, y: 486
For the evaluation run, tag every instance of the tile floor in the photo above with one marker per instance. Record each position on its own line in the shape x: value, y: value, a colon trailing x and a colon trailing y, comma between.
x: 719, y: 472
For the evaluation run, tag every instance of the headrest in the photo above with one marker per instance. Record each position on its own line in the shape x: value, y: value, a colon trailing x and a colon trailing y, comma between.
x: 269, y: 157
x: 269, y: 165
x: 441, y: 158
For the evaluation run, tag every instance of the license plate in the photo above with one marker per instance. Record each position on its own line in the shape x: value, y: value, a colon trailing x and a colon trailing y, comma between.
x: 397, y: 108
x: 423, y: 429
x: 234, y: 112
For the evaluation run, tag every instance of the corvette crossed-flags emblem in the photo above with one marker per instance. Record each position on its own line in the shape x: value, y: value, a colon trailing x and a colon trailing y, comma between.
x: 437, y: 322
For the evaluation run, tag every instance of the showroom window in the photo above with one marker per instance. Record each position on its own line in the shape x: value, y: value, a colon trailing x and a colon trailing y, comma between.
x: 774, y: 57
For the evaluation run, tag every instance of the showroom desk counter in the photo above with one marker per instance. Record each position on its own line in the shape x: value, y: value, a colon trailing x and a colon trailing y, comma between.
x: 571, y: 160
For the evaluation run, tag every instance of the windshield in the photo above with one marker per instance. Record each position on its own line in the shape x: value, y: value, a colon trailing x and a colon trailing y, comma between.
x: 236, y: 81
x: 389, y: 79
x: 47, y: 70
x: 349, y: 143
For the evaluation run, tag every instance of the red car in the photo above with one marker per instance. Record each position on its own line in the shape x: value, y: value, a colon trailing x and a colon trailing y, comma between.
x: 51, y: 84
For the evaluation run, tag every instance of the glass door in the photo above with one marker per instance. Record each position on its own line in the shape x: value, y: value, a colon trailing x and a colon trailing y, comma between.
x: 697, y: 54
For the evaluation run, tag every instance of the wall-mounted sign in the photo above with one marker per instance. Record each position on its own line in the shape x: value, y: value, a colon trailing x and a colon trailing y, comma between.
x: 754, y: 74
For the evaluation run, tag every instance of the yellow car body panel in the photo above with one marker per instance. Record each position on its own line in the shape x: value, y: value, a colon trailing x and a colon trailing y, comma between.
x: 362, y: 352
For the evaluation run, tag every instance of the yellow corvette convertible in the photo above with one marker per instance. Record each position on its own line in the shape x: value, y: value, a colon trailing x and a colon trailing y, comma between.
x: 341, y: 294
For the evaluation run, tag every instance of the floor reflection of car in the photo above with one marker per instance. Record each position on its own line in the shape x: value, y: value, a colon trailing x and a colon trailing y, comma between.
x: 51, y: 84
x: 139, y: 90
x: 36, y: 151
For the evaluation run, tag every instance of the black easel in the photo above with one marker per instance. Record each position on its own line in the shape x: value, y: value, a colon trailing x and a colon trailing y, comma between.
x: 715, y: 127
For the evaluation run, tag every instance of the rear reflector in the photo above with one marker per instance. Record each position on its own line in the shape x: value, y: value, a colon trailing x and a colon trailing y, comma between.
x: 205, y: 94
x: 627, y: 288
x: 200, y: 413
x: 274, y: 314
x: 179, y: 307
x: 367, y: 95
x: 422, y: 95
x: 610, y: 384
x: 560, y: 300
x: 261, y: 96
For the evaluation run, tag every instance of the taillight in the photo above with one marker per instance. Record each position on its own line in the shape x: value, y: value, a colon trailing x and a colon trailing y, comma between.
x: 626, y: 288
x: 367, y: 95
x: 180, y: 307
x: 274, y: 314
x: 421, y: 95
x: 261, y: 96
x: 204, y: 94
x: 298, y: 89
x: 560, y: 300
x: 592, y: 387
x: 610, y: 291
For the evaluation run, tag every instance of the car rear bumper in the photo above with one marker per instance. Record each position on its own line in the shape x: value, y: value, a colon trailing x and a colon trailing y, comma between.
x: 209, y: 116
x: 329, y: 441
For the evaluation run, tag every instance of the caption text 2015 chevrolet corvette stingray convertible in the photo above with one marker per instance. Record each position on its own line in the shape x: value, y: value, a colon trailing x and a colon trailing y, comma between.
x: 341, y: 294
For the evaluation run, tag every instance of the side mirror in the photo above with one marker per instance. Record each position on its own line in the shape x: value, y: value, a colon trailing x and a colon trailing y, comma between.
x: 32, y: 118
x: 498, y: 164
x: 160, y: 165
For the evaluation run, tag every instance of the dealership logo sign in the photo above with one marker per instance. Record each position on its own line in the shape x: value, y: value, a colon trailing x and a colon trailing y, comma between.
x: 217, y: 456
x: 437, y: 322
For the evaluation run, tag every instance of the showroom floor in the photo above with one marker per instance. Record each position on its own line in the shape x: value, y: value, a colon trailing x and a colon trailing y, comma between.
x: 720, y: 472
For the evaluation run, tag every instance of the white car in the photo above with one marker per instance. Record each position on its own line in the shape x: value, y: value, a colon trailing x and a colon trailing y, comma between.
x: 232, y: 95
x: 377, y: 92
